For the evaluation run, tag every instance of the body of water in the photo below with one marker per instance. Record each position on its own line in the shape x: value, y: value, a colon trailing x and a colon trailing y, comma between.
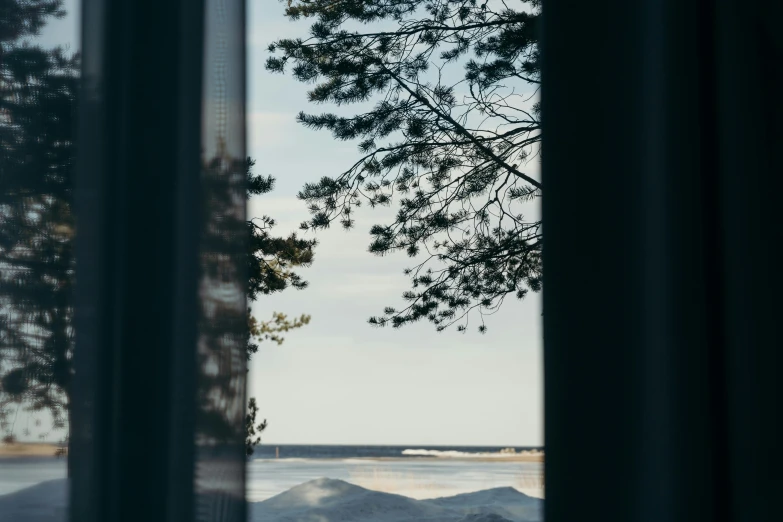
x: 414, y: 471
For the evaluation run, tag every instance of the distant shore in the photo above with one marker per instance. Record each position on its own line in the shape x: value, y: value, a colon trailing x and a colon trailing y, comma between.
x: 504, y: 458
x: 536, y: 457
x: 28, y: 449
x: 46, y: 449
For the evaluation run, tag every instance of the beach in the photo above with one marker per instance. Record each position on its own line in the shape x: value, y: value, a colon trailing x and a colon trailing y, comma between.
x: 389, y: 481
x: 28, y: 449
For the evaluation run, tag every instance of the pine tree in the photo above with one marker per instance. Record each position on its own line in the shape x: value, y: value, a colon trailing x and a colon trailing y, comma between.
x: 38, y: 89
x: 37, y: 93
x: 272, y: 263
x: 446, y: 140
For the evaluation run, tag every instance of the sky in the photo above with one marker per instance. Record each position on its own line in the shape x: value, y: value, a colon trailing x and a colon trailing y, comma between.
x: 338, y: 380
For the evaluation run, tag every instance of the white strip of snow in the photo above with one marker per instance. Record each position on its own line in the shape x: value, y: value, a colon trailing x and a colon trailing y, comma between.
x: 466, y: 455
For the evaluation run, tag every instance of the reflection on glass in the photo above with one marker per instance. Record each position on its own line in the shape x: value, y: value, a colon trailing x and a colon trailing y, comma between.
x: 38, y: 85
x: 220, y: 466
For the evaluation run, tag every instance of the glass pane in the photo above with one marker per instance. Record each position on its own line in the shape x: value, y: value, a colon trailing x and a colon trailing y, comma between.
x: 37, y: 117
x: 220, y: 467
x: 39, y: 67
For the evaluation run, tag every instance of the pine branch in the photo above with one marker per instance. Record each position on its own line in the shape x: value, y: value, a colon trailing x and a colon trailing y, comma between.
x: 462, y: 130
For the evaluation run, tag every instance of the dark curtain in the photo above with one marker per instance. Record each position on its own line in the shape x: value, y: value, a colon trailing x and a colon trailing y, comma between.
x: 160, y: 309
x: 662, y: 163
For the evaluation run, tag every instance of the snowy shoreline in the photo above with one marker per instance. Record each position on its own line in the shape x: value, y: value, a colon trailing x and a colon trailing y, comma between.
x: 319, y: 500
x: 478, y: 457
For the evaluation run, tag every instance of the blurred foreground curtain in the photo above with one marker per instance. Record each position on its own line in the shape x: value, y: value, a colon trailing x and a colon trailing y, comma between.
x: 159, y: 393
x: 663, y: 167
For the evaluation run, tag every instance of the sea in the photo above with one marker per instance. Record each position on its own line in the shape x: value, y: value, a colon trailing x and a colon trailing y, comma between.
x: 414, y: 471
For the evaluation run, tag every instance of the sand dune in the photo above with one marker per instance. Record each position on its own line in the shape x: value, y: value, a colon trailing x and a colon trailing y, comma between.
x: 44, y: 502
x: 321, y: 500
x: 328, y: 500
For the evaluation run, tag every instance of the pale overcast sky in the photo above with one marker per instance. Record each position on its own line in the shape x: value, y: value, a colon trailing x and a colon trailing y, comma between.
x: 338, y: 380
